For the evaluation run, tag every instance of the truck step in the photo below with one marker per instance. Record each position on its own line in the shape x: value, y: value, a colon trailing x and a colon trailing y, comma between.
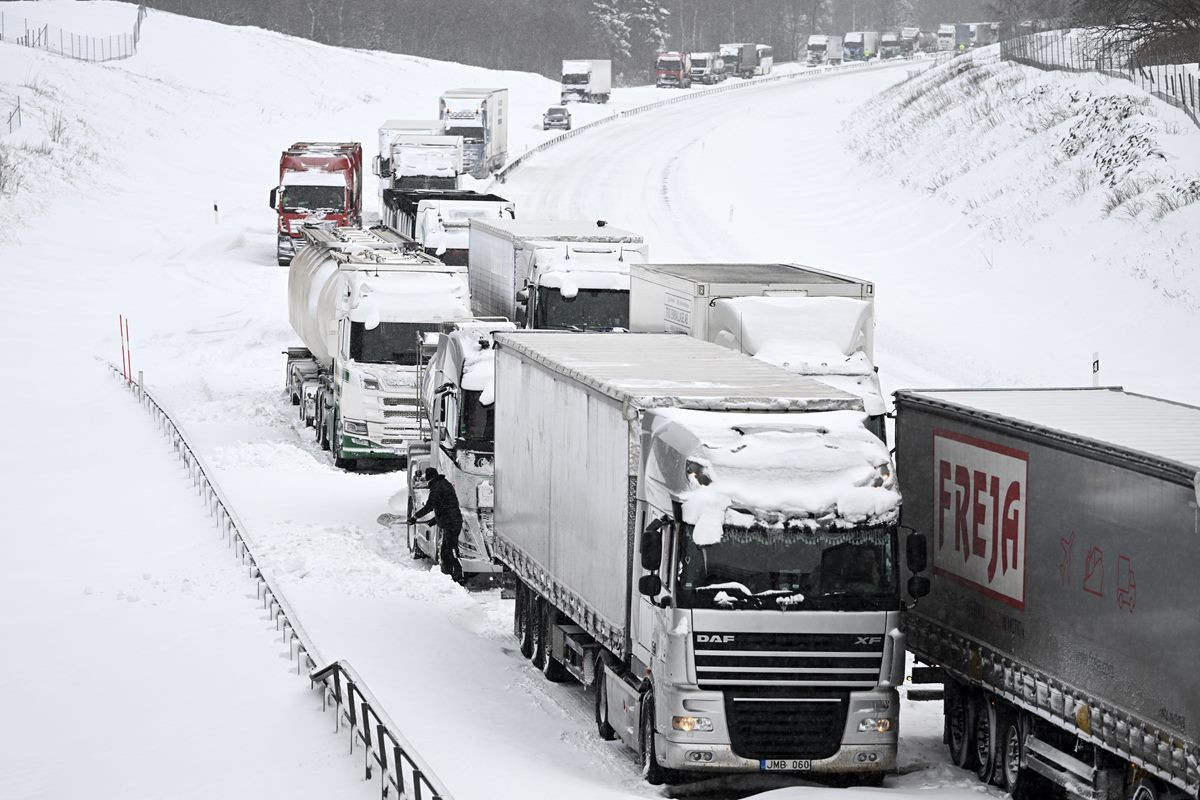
x: 923, y: 695
x: 922, y: 675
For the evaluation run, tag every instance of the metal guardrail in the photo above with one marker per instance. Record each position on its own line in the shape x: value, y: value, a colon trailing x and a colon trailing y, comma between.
x: 503, y: 174
x: 401, y: 768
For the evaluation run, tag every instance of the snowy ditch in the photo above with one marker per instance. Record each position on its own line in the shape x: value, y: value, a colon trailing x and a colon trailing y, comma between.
x: 400, y: 766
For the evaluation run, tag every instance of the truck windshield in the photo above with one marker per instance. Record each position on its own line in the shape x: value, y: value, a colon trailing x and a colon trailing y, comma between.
x: 817, y: 47
x: 791, y: 569
x: 387, y: 342
x: 576, y: 79
x: 670, y: 65
x: 589, y: 309
x: 313, y: 198
x: 477, y: 423
x: 700, y: 63
x: 474, y: 132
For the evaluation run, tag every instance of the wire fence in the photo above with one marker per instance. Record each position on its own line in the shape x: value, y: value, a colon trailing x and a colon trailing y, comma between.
x: 1168, y: 69
x: 400, y: 768
x: 21, y: 31
x: 14, y: 117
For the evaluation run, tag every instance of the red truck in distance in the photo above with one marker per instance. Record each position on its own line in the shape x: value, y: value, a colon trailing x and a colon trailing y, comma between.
x: 318, y: 181
x: 673, y: 69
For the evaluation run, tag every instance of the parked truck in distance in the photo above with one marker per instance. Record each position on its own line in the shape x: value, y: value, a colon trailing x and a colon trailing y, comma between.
x: 673, y: 69
x: 657, y: 501
x: 439, y: 220
x: 807, y: 321
x: 318, y: 182
x: 910, y: 42
x: 457, y: 385
x: 860, y: 46
x: 1063, y: 612
x: 586, y: 80
x: 708, y: 68
x: 561, y: 274
x: 984, y: 33
x: 360, y: 301
x: 416, y: 154
x: 889, y: 45
x: 480, y: 117
x: 824, y: 49
x: 730, y: 54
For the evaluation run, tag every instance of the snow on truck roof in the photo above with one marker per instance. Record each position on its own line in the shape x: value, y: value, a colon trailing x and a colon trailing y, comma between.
x: 558, y: 229
x: 649, y: 370
x: 1149, y: 426
x: 749, y: 273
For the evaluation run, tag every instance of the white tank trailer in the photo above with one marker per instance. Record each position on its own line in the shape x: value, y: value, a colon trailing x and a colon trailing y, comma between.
x: 1064, y: 616
x: 360, y: 301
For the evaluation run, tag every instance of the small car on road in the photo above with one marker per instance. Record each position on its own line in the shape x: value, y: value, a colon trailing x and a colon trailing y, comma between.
x: 556, y: 117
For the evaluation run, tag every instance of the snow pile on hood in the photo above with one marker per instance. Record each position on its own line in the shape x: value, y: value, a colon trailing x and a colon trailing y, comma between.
x: 441, y: 161
x: 817, y: 469
x: 314, y: 176
x: 571, y: 267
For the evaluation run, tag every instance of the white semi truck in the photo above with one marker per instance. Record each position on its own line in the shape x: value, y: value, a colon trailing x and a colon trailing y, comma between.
x: 824, y: 49
x: 360, y: 300
x: 480, y: 117
x: 586, y: 80
x: 806, y: 320
x: 553, y: 273
x: 417, y: 154
x: 458, y: 404
x: 709, y: 543
x: 440, y: 219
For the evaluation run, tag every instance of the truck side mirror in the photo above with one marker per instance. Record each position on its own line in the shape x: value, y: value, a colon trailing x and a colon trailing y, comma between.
x: 652, y: 547
x: 274, y: 196
x: 918, y: 586
x: 650, y: 585
x: 917, y: 553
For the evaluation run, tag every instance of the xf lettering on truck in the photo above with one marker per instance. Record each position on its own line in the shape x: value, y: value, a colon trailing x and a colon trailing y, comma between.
x: 980, y: 490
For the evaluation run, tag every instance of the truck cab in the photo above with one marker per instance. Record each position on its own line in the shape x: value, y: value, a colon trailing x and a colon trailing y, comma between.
x: 707, y: 68
x: 480, y: 117
x: 673, y: 69
x: 318, y: 182
x: 889, y: 45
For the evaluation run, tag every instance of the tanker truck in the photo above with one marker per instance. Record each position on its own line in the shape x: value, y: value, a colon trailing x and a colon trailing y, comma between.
x: 360, y: 301
x: 1063, y: 619
x: 458, y: 403
x: 709, y: 543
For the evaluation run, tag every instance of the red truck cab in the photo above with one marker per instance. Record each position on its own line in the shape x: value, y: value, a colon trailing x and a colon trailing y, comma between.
x: 318, y: 181
x: 673, y: 69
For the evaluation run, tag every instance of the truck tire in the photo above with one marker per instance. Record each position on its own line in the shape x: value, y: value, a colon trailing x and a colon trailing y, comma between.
x: 1146, y: 789
x: 1012, y: 745
x: 535, y: 620
x: 959, y: 725
x: 553, y: 669
x: 987, y: 738
x: 652, y: 772
x: 526, y: 599
x: 600, y: 697
x: 323, y: 432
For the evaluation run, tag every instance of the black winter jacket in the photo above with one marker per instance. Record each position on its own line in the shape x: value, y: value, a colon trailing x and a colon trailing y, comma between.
x: 443, y: 501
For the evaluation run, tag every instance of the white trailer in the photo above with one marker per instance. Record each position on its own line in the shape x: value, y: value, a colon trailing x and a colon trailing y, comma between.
x: 682, y: 520
x: 360, y: 300
x: 808, y: 321
x: 480, y: 117
x: 824, y: 49
x: 586, y: 80
x: 553, y: 273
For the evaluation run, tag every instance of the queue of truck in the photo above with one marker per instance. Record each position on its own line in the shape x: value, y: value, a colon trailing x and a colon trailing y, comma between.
x: 683, y: 472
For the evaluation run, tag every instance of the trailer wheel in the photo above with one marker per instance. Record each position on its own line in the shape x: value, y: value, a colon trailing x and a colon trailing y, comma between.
x: 526, y: 599
x: 553, y: 669
x: 600, y: 695
x: 1145, y: 789
x: 1012, y: 746
x: 536, y: 621
x: 987, y: 738
x: 652, y: 772
x: 957, y: 706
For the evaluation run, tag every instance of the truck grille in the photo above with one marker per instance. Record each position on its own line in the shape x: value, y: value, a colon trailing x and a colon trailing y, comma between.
x: 786, y: 695
x: 389, y: 413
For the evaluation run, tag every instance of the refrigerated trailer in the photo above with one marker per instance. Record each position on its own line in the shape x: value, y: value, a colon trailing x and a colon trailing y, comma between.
x: 480, y: 117
x: 683, y: 521
x: 586, y: 80
x: 1064, y: 614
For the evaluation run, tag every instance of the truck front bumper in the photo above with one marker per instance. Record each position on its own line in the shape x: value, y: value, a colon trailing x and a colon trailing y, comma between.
x: 849, y: 759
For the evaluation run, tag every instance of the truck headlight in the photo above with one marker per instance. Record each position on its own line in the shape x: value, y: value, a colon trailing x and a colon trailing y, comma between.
x: 690, y: 724
x: 368, y: 382
x: 354, y: 426
x: 881, y: 725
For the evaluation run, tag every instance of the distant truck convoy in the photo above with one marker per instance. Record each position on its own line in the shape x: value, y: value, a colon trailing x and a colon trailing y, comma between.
x: 673, y: 69
x: 708, y: 68
x: 807, y: 321
x: 480, y: 117
x: 860, y: 46
x: 1063, y: 613
x: 586, y: 80
x: 746, y: 59
x: 416, y: 154
x: 360, y: 300
x: 439, y: 220
x: 709, y: 544
x: 457, y: 385
x: 824, y: 49
x: 565, y: 274
x: 318, y: 181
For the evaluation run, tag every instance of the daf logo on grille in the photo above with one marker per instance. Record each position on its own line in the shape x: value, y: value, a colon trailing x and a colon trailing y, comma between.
x: 868, y: 640
x: 715, y: 638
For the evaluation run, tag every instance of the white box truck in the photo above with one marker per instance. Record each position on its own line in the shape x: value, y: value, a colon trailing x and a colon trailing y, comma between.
x: 360, y: 301
x: 708, y: 542
x: 553, y: 273
x: 824, y: 49
x: 586, y: 80
x: 480, y: 117
x: 806, y: 320
x: 860, y: 46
